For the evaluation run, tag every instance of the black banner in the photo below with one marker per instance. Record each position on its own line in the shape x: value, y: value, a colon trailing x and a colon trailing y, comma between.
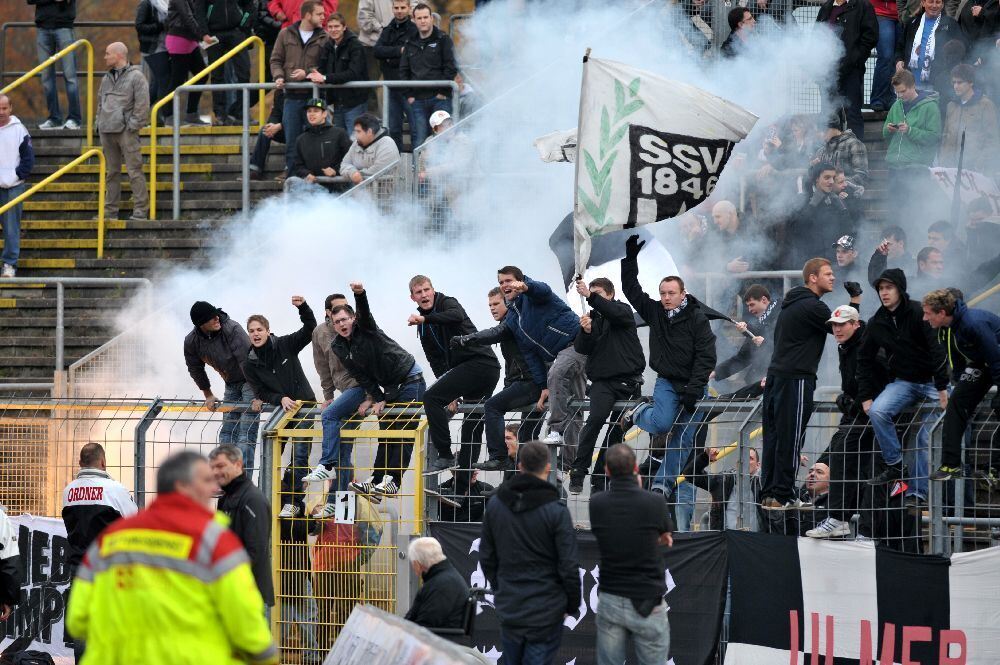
x: 671, y: 173
x: 696, y: 585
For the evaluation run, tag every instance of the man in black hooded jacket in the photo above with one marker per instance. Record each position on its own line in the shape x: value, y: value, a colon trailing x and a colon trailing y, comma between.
x: 918, y: 368
x: 273, y: 370
x: 529, y: 556
x: 465, y: 372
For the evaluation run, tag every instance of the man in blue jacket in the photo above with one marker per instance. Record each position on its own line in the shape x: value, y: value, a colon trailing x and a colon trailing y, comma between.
x: 975, y: 335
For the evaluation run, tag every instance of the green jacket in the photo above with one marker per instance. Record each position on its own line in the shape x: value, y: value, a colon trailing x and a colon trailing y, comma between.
x: 919, y: 145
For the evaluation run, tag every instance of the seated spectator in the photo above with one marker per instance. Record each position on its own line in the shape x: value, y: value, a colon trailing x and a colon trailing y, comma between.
x: 741, y: 25
x: 846, y: 152
x: 982, y: 232
x: 471, y: 503
x: 443, y: 596
x: 271, y: 131
x: 726, y: 503
x: 373, y: 150
x: 821, y: 220
x: 891, y: 253
x: 919, y: 50
x: 451, y: 155
x: 941, y: 235
x: 930, y: 270
x: 815, y: 492
x: 974, y: 116
x: 320, y: 149
x: 732, y: 236
x: 852, y: 203
x: 342, y: 60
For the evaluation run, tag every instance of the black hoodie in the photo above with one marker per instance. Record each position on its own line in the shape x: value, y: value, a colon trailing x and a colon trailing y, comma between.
x: 910, y: 344
x: 528, y: 553
x: 612, y: 346
x: 799, y: 335
x: 274, y: 370
x: 343, y: 63
x: 446, y: 319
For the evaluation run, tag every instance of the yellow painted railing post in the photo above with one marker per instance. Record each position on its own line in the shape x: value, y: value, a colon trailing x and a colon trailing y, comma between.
x: 102, y: 170
x: 50, y: 62
x: 253, y: 40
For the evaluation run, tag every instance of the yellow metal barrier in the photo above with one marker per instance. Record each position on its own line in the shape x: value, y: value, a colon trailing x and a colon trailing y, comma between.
x: 169, y: 99
x: 93, y: 152
x: 80, y: 43
x: 323, y: 567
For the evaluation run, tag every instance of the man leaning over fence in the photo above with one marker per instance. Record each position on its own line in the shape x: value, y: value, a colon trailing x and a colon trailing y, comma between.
x: 170, y: 583
x: 222, y: 344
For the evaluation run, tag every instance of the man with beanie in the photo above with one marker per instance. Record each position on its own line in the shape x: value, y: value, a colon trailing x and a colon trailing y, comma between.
x: 918, y: 369
x: 222, y: 344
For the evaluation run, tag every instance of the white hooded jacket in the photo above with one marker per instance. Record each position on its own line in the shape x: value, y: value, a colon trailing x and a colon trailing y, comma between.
x: 17, y: 156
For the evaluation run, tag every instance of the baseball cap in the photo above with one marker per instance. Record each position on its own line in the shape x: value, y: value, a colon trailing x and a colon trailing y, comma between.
x: 438, y: 117
x: 316, y: 103
x: 843, y: 314
x: 845, y: 243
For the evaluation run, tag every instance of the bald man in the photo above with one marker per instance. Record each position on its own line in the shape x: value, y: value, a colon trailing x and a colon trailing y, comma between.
x: 122, y: 110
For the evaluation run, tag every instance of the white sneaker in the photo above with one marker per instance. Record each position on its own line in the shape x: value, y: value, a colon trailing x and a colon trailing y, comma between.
x: 48, y: 124
x: 8, y: 271
x: 830, y: 528
x: 290, y: 510
x: 387, y: 487
x: 71, y: 124
x: 364, y: 487
x: 863, y: 539
x: 326, y: 512
x: 553, y: 438
x: 319, y: 474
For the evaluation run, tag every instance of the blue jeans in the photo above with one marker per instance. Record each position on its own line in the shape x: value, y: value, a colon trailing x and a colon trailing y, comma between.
x: 293, y: 117
x: 882, y: 93
x: 897, y: 397
x: 420, y: 117
x: 517, y: 394
x: 345, y: 117
x: 50, y: 41
x: 240, y: 429
x: 11, y: 222
x: 335, y: 453
x: 618, y: 621
x: 519, y: 651
x: 397, y: 107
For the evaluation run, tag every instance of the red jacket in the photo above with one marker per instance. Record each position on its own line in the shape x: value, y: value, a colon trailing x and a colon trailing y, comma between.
x: 290, y: 8
x: 886, y: 9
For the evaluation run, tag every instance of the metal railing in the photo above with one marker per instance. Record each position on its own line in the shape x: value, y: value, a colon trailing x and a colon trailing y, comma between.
x: 102, y: 180
x: 253, y: 40
x: 51, y: 61
x: 30, y: 25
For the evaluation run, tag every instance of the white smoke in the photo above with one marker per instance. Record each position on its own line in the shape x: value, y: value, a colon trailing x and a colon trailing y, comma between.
x: 529, y: 62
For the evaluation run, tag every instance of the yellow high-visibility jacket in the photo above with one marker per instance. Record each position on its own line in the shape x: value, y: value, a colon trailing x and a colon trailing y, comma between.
x: 170, y: 585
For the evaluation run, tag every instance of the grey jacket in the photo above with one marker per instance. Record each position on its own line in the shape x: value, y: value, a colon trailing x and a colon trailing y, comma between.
x: 369, y: 160
x: 332, y: 373
x: 223, y: 351
x: 123, y: 101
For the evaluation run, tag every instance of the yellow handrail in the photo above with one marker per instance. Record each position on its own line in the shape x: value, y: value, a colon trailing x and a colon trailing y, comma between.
x: 92, y: 152
x: 246, y: 43
x: 984, y: 295
x: 90, y: 81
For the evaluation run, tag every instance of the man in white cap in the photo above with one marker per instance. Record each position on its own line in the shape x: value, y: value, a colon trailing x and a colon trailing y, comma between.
x: 440, y: 121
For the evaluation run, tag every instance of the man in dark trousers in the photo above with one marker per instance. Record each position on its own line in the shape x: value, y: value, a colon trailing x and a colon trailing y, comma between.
x: 918, y: 368
x: 249, y: 514
x: 615, y: 362
x: 529, y: 556
x: 222, y: 344
x: 466, y: 372
x: 630, y: 525
x: 389, y: 51
x: 799, y: 337
x: 429, y: 56
x: 855, y: 24
x: 274, y: 372
x: 975, y: 336
x: 388, y: 374
x: 231, y: 22
x: 682, y: 353
x: 443, y: 596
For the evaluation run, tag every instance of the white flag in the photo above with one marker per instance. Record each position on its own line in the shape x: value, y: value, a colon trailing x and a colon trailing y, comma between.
x: 649, y: 148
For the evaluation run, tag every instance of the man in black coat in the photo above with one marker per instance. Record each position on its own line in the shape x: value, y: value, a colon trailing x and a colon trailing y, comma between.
x: 755, y: 353
x: 389, y: 51
x: 321, y: 148
x: 464, y: 372
x: 249, y: 514
x: 275, y: 374
x: 855, y: 23
x: 443, y: 596
x: 428, y: 56
x: 342, y: 60
x: 918, y: 367
x: 529, y: 556
x: 615, y: 362
x: 630, y: 525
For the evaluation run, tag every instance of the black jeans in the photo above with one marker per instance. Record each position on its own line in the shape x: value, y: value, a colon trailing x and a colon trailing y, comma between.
x: 241, y: 70
x: 852, y: 459
x: 182, y: 67
x: 258, y: 158
x: 788, y: 403
x: 603, y: 395
x: 392, y: 457
x: 970, y: 391
x: 851, y: 89
x: 517, y: 395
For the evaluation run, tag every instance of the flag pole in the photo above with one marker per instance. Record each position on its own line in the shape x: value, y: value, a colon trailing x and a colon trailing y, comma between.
x: 956, y: 197
x: 580, y: 269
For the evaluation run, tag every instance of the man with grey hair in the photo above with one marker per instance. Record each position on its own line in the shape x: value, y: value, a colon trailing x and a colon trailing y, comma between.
x: 122, y: 110
x: 442, y: 598
x: 248, y: 512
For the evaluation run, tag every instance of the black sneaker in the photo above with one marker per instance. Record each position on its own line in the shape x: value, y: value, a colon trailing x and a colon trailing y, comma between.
x: 626, y: 421
x: 946, y: 473
x: 493, y: 464
x: 891, y: 473
x: 575, y: 485
x: 442, y: 464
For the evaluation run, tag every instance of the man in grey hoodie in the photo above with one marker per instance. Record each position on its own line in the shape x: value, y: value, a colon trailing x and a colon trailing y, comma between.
x: 373, y: 149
